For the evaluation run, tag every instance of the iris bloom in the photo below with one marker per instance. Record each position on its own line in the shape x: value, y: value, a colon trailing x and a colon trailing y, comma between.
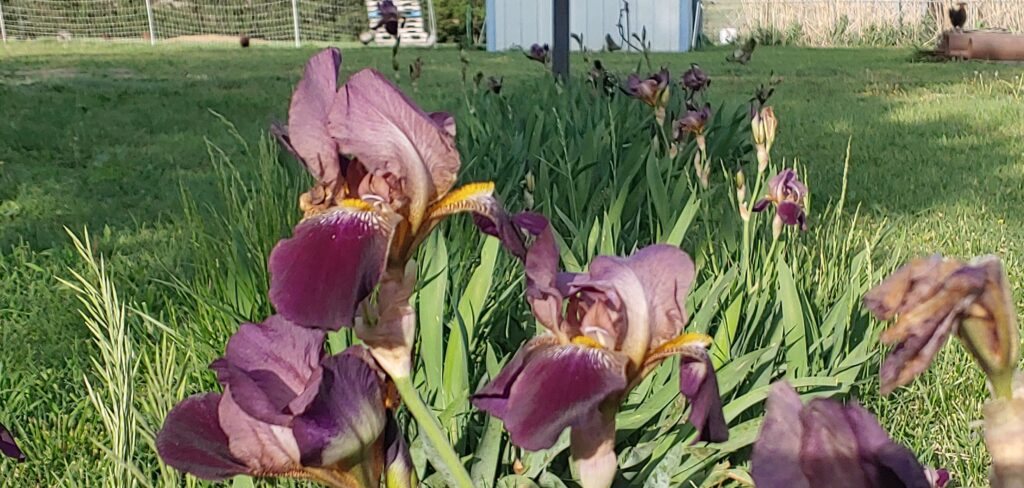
x: 384, y: 173
x: 787, y: 194
x: 607, y: 328
x: 287, y: 410
x: 693, y: 122
x: 933, y: 298
x: 389, y: 17
x: 654, y: 91
x: 826, y: 443
x: 695, y: 79
x: 763, y: 125
x: 8, y: 447
x: 539, y: 53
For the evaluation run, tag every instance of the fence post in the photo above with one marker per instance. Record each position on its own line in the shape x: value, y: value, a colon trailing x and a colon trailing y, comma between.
x: 560, y: 43
x: 152, y: 30
x: 295, y: 20
x: 3, y: 28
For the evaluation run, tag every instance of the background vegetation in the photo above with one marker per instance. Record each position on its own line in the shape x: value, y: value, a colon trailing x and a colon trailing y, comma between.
x: 123, y: 140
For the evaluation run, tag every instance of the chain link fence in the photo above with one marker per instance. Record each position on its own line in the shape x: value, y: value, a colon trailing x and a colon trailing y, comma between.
x: 169, y: 20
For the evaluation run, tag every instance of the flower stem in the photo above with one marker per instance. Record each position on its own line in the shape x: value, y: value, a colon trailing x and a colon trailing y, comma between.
x: 430, y: 427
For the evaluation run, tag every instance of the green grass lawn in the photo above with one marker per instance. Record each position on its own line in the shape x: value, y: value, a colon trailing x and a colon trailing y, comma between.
x: 108, y: 136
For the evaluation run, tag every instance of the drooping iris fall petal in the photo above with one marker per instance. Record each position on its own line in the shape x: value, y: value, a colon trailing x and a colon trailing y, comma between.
x: 193, y: 441
x: 330, y: 264
x: 347, y: 416
x: 8, y: 447
x: 373, y: 121
x: 698, y: 383
x: 306, y: 135
x: 556, y: 387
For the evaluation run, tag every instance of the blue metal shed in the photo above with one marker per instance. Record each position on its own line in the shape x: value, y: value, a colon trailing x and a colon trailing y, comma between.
x: 669, y: 23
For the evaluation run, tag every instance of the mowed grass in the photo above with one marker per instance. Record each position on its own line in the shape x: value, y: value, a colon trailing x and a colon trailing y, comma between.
x: 107, y: 136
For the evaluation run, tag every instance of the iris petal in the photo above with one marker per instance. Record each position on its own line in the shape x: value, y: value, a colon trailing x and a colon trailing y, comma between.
x: 556, y: 387
x: 266, y: 448
x: 269, y: 365
x: 331, y: 263
x: 347, y: 416
x: 376, y: 123
x: 699, y: 384
x: 192, y: 440
x: 776, y: 463
x: 307, y: 134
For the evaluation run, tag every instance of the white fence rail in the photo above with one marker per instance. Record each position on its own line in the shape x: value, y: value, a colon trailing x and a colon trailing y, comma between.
x: 845, y: 22
x: 169, y: 20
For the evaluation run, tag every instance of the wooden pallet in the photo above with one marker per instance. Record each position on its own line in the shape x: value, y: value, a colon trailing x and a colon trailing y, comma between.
x: 414, y: 31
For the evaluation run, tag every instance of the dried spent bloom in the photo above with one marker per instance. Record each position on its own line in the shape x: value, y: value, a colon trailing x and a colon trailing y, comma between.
x: 932, y: 298
x: 787, y: 194
x: 653, y: 91
x: 384, y: 173
x: 607, y: 328
x: 826, y: 443
x: 390, y: 17
x: 8, y: 447
x: 287, y: 410
x: 539, y: 53
x: 695, y: 79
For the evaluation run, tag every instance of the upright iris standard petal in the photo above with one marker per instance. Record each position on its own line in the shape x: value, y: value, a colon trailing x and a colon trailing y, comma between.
x: 192, y: 440
x: 331, y: 263
x: 557, y: 386
x: 666, y: 273
x: 347, y: 416
x: 8, y: 447
x: 692, y: 122
x: 653, y: 90
x: 389, y: 17
x: 307, y: 135
x: 826, y: 443
x: 775, y: 463
x: 269, y: 366
x: 378, y: 125
x: 699, y: 384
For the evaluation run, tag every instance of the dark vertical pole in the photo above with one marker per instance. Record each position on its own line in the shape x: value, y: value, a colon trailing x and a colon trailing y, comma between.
x: 560, y: 44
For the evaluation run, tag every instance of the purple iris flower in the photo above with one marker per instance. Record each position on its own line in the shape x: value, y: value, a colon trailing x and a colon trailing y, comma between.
x: 287, y: 410
x: 607, y: 328
x: 539, y: 53
x: 695, y: 79
x: 654, y: 91
x: 933, y: 298
x: 8, y: 447
x: 693, y: 122
x: 390, y: 17
x: 826, y: 443
x: 787, y: 194
x: 384, y: 173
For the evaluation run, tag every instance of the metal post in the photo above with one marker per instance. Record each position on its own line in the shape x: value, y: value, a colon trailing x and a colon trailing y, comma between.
x: 560, y: 44
x: 3, y: 28
x: 295, y: 21
x: 152, y: 30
